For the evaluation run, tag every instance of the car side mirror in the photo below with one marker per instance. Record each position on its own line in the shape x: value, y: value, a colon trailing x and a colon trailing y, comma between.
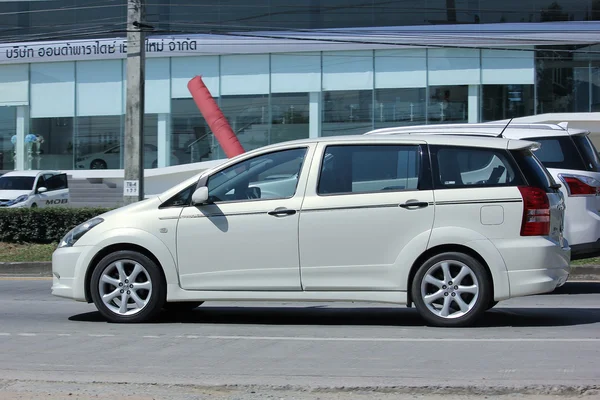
x: 42, y: 190
x: 200, y: 196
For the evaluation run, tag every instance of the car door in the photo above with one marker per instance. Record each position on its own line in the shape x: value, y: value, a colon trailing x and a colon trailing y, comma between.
x: 57, y: 190
x: 365, y: 206
x: 246, y: 238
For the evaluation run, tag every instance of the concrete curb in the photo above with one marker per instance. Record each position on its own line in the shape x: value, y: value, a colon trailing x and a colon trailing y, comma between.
x: 25, y: 269
x: 44, y: 269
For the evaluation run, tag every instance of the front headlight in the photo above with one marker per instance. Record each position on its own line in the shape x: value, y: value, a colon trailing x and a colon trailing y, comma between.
x: 76, y: 233
x: 18, y: 200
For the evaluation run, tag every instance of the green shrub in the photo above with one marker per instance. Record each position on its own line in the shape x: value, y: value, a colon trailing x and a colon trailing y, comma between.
x: 42, y: 225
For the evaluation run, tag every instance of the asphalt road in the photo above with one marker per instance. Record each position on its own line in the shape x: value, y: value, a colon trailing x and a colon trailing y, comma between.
x: 537, y: 342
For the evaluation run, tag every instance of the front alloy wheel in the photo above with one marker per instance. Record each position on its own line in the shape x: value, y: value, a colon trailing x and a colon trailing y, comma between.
x: 127, y: 287
x: 451, y: 289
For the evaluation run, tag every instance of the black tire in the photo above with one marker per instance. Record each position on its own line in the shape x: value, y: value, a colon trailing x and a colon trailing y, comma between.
x: 155, y: 298
x: 182, y: 306
x: 98, y: 164
x: 34, y: 205
x: 478, y: 303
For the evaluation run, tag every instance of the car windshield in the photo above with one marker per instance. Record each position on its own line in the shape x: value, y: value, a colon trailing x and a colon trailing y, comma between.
x: 16, y: 182
x: 588, y: 152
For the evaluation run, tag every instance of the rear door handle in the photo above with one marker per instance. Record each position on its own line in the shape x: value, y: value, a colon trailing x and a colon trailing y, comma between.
x: 281, y: 212
x: 415, y: 204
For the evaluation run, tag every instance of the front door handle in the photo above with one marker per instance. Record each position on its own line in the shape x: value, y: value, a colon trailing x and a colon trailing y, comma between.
x: 415, y: 204
x: 281, y: 212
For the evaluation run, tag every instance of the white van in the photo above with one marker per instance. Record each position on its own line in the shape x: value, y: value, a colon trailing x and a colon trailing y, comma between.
x: 393, y: 219
x: 31, y: 189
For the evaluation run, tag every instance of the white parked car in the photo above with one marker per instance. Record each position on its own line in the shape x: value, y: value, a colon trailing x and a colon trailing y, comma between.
x: 570, y: 157
x: 111, y: 158
x: 34, y: 189
x: 393, y: 219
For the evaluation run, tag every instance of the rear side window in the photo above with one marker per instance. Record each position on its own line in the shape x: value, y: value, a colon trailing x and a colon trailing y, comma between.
x: 559, y: 152
x: 533, y: 170
x: 588, y: 152
x: 349, y: 169
x: 466, y: 167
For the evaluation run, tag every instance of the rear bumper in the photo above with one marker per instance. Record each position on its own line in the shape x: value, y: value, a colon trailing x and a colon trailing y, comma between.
x: 534, y: 265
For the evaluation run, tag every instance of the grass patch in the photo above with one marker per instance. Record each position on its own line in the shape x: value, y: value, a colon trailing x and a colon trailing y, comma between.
x: 13, y: 252
x: 587, y: 261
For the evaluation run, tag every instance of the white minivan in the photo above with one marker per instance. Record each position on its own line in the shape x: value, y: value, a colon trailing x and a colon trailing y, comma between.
x: 567, y: 153
x: 393, y: 219
x: 32, y: 189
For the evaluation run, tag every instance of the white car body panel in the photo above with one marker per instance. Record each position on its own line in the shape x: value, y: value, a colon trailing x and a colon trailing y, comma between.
x: 358, y: 247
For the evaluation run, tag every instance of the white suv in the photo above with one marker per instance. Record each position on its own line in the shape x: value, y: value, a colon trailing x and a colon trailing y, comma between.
x: 570, y: 157
x: 396, y: 219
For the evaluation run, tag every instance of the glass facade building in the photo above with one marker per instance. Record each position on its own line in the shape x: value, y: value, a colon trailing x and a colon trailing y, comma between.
x: 282, y: 70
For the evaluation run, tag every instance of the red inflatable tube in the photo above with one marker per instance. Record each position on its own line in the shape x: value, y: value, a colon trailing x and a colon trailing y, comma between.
x: 215, y: 118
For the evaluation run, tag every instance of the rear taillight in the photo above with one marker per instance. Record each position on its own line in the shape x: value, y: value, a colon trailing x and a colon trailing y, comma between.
x: 536, y: 212
x: 578, y: 185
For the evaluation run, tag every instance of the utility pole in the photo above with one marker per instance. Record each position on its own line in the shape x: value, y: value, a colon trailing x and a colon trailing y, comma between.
x: 133, y: 185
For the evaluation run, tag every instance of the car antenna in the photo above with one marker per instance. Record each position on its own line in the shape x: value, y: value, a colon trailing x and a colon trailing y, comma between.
x: 500, y: 135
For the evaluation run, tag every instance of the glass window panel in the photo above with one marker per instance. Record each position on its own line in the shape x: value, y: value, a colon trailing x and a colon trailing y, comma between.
x: 249, y: 119
x: 448, y: 104
x: 51, y: 144
x: 98, y: 142
x: 151, y: 142
x: 395, y: 107
x: 289, y: 116
x: 368, y: 169
x: 563, y: 83
x: 267, y: 177
x: 191, y: 138
x: 507, y: 101
x: 8, y: 129
x: 347, y: 112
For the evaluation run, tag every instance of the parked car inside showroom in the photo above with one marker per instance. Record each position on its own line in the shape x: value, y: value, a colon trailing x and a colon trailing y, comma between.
x: 393, y: 219
x: 567, y: 153
x: 31, y: 189
x: 111, y: 158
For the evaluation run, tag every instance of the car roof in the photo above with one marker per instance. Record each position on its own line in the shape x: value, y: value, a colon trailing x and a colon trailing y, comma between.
x: 448, y: 140
x: 513, y: 131
x: 29, y: 173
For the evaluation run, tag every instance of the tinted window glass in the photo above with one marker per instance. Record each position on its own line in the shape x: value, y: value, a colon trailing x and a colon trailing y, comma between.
x: 533, y: 170
x: 269, y: 176
x: 460, y: 167
x: 364, y: 169
x: 559, y: 152
x: 16, y: 183
x: 588, y: 152
x: 56, y: 182
x: 182, y: 198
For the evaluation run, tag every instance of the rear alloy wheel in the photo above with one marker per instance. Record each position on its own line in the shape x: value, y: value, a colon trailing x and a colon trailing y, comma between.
x: 451, y: 289
x: 126, y: 286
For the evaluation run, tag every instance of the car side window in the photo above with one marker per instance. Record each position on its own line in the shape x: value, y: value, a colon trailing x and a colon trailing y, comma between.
x: 265, y: 177
x: 465, y: 167
x: 349, y: 169
x: 56, y: 182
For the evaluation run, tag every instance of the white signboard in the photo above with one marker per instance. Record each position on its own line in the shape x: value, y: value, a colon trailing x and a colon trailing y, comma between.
x: 131, y: 188
x: 100, y: 49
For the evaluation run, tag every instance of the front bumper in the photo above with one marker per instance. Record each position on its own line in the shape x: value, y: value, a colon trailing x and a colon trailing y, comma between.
x: 68, y: 272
